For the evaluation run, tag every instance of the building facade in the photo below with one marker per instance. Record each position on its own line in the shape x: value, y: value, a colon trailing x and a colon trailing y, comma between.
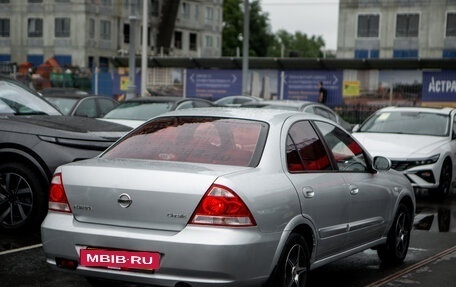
x: 397, y: 29
x: 87, y: 33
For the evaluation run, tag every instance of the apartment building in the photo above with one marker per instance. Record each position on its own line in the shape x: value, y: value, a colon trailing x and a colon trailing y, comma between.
x: 87, y: 33
x: 397, y: 29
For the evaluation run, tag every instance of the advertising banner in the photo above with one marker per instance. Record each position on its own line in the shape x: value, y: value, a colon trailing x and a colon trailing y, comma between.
x: 213, y: 84
x: 304, y: 85
x: 439, y: 86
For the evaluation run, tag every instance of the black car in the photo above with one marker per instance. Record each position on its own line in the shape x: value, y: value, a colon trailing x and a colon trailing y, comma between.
x: 135, y: 111
x: 35, y: 138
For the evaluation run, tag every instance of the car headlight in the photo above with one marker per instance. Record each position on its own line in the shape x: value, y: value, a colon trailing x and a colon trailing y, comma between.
x: 430, y: 160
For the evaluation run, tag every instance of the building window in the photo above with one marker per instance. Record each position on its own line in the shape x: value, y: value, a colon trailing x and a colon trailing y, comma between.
x: 367, y: 54
x: 218, y: 17
x: 209, y: 14
x: 62, y: 27
x: 4, y: 27
x: 208, y: 42
x: 4, y: 1
x: 126, y: 33
x: 91, y: 28
x: 407, y: 25
x: 197, y: 11
x: 185, y: 10
x: 405, y: 54
x: 35, y: 27
x: 368, y: 26
x: 178, y: 40
x: 193, y: 42
x: 35, y: 1
x: 154, y: 8
x: 105, y: 30
x: 62, y: 1
x: 451, y: 25
x: 449, y: 54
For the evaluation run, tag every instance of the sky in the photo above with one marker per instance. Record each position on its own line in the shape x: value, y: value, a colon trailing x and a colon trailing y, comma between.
x: 311, y: 17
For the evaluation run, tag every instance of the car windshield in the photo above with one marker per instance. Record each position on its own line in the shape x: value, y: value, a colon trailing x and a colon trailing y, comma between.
x: 20, y: 101
x: 139, y: 110
x: 408, y: 122
x: 65, y: 105
x: 194, y: 139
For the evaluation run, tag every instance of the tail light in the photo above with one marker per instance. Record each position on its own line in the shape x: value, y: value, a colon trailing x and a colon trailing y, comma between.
x: 57, y: 197
x: 221, y: 206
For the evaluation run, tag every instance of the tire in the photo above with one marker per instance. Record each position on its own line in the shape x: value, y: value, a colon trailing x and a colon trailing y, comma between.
x: 293, y: 266
x: 395, y: 249
x: 446, y: 173
x: 23, y: 198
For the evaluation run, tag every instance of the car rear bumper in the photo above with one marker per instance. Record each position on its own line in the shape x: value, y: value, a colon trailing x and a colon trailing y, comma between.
x: 197, y: 255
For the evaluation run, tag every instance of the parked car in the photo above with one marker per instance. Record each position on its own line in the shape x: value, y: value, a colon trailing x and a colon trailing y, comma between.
x: 62, y: 90
x: 35, y: 138
x: 236, y: 101
x: 420, y: 141
x: 191, y: 195
x: 303, y: 106
x: 134, y: 112
x: 82, y: 105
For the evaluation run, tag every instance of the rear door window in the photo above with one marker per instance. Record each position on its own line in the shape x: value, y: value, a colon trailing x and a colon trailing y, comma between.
x: 305, y: 150
x: 195, y: 139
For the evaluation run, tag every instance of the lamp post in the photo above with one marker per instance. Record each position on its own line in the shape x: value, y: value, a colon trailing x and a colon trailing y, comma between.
x: 245, y: 49
x: 131, y: 90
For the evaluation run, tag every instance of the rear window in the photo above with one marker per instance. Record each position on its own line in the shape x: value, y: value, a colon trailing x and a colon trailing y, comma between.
x: 194, y: 139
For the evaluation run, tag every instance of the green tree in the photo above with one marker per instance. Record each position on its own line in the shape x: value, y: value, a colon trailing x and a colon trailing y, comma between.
x: 260, y: 37
x: 296, y: 45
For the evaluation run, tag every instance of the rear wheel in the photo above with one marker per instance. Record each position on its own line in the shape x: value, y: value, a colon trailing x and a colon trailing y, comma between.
x: 395, y: 249
x: 445, y: 180
x: 293, y: 265
x: 23, y: 198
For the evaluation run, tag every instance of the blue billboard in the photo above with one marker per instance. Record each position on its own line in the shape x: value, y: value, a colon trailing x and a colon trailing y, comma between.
x: 439, y: 86
x: 213, y: 84
x: 303, y: 85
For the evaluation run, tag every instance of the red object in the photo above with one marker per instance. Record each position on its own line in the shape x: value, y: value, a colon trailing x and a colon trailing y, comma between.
x: 221, y: 206
x: 119, y: 259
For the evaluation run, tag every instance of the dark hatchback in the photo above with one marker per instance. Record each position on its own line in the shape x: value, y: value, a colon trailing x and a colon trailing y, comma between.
x: 35, y: 138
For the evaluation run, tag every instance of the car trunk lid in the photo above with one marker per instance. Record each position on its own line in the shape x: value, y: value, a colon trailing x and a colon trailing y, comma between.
x: 138, y: 193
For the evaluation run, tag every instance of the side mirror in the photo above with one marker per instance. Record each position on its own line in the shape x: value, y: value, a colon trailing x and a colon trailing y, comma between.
x: 355, y: 128
x: 382, y: 163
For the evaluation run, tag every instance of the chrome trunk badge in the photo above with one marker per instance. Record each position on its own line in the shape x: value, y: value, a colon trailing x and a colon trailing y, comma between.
x: 124, y: 200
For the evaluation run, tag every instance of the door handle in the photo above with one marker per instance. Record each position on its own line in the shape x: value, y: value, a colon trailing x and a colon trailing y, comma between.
x: 308, y: 192
x: 354, y: 190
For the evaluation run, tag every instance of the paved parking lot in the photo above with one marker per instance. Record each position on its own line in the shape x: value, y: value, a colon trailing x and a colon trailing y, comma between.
x: 430, y: 261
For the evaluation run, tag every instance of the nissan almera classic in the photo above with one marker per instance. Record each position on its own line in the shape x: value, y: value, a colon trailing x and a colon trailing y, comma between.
x: 226, y: 197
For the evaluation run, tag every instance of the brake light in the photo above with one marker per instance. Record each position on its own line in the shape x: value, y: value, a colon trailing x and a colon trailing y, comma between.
x: 57, y: 198
x: 221, y: 206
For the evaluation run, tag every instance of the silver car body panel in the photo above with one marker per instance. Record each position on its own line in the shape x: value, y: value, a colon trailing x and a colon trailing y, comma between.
x: 164, y: 195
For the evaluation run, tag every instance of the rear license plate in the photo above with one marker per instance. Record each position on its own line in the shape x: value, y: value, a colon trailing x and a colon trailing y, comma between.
x: 120, y: 259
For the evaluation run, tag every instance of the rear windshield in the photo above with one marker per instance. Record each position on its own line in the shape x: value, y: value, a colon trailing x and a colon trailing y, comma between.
x: 194, y: 139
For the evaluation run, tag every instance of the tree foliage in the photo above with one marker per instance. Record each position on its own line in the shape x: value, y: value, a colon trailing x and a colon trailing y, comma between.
x: 262, y: 42
x: 260, y: 37
x: 296, y: 45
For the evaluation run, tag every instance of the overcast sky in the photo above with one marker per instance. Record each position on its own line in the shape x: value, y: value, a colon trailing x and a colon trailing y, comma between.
x: 311, y: 17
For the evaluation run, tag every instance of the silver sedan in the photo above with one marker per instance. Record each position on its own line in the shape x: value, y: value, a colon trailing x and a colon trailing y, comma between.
x: 226, y: 197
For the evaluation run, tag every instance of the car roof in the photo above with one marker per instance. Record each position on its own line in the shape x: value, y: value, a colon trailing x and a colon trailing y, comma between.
x: 69, y: 95
x: 60, y: 90
x: 436, y: 110
x: 266, y: 115
x: 161, y: 99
